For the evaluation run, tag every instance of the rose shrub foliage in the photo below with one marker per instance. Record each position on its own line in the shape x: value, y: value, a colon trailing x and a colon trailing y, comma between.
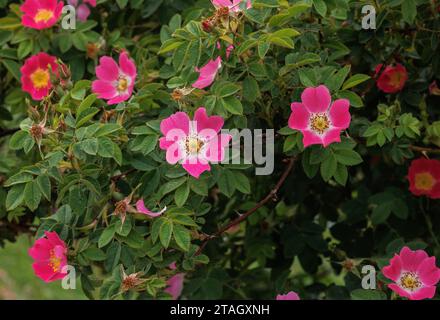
x: 86, y: 170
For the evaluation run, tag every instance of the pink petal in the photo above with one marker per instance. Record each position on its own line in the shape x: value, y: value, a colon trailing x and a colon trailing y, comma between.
x: 423, y: 293
x: 215, y: 123
x: 316, y: 99
x: 428, y: 272
x: 175, y: 285
x: 289, y: 296
x: 221, y: 3
x: 331, y: 136
x: 174, y: 154
x: 310, y: 138
x: 119, y: 98
x: 215, y: 150
x: 412, y: 259
x: 179, y: 120
x: 401, y: 292
x: 164, y: 143
x: 140, y: 207
x: 127, y: 65
x: 104, y: 89
x: 107, y: 69
x: 208, y: 73
x: 299, y: 119
x: 394, y: 269
x: 54, y: 239
x: 196, y: 169
x: 339, y: 115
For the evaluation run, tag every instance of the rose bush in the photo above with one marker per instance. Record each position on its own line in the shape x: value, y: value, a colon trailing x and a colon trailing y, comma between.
x: 90, y: 170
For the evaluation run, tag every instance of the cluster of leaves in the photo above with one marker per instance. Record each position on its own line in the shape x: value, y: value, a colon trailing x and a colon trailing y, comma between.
x: 357, y: 209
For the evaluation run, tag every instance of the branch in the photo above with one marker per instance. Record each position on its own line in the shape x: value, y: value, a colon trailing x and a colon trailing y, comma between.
x: 424, y: 149
x: 7, y: 132
x: 272, y: 195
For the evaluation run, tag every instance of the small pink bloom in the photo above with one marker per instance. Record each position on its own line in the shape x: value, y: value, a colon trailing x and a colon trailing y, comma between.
x: 115, y: 82
x: 41, y: 14
x: 415, y: 275
x: 82, y: 10
x: 229, y: 51
x: 36, y: 73
x: 289, y: 296
x: 140, y: 207
x: 232, y: 5
x: 424, y: 177
x: 392, y: 79
x: 320, y: 120
x: 208, y: 73
x: 194, y: 143
x: 50, y: 257
x: 175, y: 285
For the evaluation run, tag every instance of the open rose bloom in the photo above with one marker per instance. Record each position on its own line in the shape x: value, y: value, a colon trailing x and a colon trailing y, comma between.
x: 415, y: 275
x: 392, y: 79
x: 207, y: 73
x: 289, y: 296
x: 424, y: 178
x: 41, y: 14
x: 50, y: 257
x: 115, y: 82
x: 320, y: 120
x: 232, y: 5
x: 194, y: 143
x: 36, y: 73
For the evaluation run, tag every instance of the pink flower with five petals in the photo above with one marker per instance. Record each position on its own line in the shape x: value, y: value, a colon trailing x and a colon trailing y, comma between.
x: 115, y: 82
x: 194, y: 143
x: 50, y: 257
x: 320, y: 120
x: 415, y: 275
x: 41, y: 14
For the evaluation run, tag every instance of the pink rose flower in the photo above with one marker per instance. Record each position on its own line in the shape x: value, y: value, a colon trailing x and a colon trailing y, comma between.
x: 320, y: 120
x: 415, y: 275
x: 50, y: 257
x: 208, y: 73
x: 194, y: 143
x: 289, y: 296
x: 115, y: 82
x: 140, y: 207
x: 232, y: 5
x: 392, y: 79
x: 36, y: 73
x: 41, y: 14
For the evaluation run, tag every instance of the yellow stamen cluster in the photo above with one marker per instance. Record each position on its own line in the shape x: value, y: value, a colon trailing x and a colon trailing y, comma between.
x: 122, y: 84
x: 424, y: 181
x: 43, y: 15
x: 410, y: 281
x: 193, y: 145
x: 319, y: 122
x: 40, y: 78
x: 54, y: 261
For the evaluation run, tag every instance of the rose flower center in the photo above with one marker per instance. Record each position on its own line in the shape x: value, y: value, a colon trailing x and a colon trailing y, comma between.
x: 54, y: 261
x: 43, y: 15
x: 424, y: 181
x: 410, y: 281
x: 319, y: 122
x: 122, y: 84
x: 40, y: 78
x: 395, y: 79
x: 193, y: 145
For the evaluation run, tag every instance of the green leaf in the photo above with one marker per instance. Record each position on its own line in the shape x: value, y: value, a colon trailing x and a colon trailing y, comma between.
x: 85, y: 104
x: 172, y: 185
x: 320, y: 7
x: 13, y: 67
x: 233, y: 105
x: 409, y: 10
x: 226, y: 89
x: 355, y: 80
x: 328, y: 167
x: 335, y: 82
x: 165, y: 232
x: 32, y: 195
x: 21, y: 177
x: 251, y: 90
x: 362, y: 294
x: 182, y: 237
x: 94, y: 254
x: 106, y: 236
x: 348, y: 157
x: 226, y: 182
x: 242, y: 183
x: 15, y: 197
x: 43, y: 182
x: 18, y: 139
x: 181, y: 195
